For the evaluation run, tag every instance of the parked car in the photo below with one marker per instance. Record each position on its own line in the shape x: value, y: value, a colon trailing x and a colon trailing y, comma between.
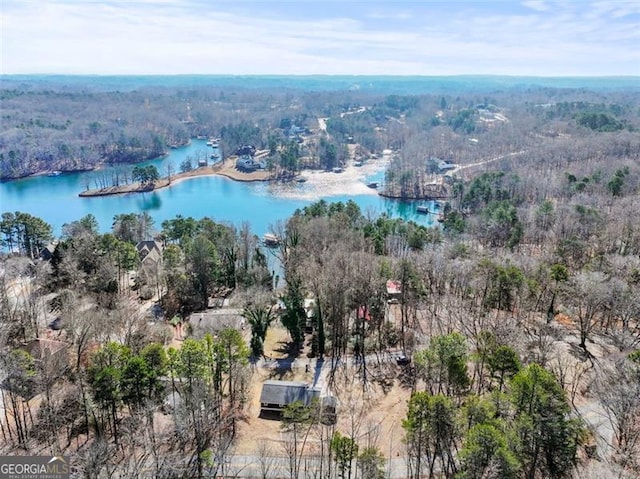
x: 402, y: 360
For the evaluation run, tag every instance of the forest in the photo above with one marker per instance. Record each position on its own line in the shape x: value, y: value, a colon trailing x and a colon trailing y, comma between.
x: 502, y: 343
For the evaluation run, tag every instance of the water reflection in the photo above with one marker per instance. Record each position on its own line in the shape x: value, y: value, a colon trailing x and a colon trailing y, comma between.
x: 149, y: 201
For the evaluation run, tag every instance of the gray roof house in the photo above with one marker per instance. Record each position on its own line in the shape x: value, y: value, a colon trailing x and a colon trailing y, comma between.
x: 276, y: 395
x: 247, y: 163
x: 149, y: 250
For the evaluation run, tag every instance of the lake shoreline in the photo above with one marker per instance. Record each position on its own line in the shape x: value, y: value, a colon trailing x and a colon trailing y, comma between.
x: 219, y: 169
x: 98, y: 167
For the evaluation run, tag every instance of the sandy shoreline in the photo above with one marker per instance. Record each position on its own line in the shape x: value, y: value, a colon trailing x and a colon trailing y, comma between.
x: 318, y: 184
x: 352, y: 181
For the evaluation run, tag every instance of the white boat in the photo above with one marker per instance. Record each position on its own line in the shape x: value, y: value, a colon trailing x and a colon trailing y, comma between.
x: 55, y: 173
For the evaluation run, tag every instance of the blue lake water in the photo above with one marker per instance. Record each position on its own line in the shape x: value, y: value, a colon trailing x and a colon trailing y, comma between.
x: 56, y: 200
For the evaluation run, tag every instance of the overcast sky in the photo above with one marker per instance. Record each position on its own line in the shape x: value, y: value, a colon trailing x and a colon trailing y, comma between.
x: 420, y: 37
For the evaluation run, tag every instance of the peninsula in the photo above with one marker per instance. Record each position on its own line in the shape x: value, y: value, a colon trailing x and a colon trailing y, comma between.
x: 224, y: 168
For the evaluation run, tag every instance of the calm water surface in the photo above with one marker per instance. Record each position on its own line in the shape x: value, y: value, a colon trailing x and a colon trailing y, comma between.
x: 56, y: 200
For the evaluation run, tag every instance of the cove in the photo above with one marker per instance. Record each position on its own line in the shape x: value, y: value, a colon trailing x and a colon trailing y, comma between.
x: 55, y: 199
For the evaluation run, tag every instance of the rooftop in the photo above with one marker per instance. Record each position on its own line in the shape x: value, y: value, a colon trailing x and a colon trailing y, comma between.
x: 287, y: 392
x: 394, y: 286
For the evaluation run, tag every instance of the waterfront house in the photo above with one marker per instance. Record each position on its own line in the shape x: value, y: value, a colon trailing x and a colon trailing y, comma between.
x: 149, y: 251
x: 270, y: 240
x: 246, y: 150
x: 247, y: 163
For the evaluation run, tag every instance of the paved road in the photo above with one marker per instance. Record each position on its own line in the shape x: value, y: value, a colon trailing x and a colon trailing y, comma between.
x: 595, y: 416
x: 484, y: 162
x: 249, y: 467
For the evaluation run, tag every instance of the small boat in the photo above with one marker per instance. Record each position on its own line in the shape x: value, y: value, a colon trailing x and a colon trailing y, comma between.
x: 270, y: 240
x: 214, y: 144
x: 301, y: 179
x: 337, y: 169
x: 55, y: 173
x: 215, y: 156
x: 422, y: 209
x: 357, y: 163
x: 373, y: 184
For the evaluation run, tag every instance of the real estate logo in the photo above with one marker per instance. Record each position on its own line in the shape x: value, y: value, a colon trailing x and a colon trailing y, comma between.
x: 34, y: 467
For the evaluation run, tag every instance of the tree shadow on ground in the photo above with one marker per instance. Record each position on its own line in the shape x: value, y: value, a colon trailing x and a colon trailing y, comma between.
x: 285, y: 347
x: 283, y: 367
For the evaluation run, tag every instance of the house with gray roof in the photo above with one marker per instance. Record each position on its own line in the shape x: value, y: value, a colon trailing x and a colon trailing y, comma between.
x: 247, y: 163
x: 149, y: 250
x: 276, y: 395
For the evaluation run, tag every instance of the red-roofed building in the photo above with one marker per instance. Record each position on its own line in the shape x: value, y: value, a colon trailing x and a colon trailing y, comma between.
x: 363, y: 313
x: 394, y: 287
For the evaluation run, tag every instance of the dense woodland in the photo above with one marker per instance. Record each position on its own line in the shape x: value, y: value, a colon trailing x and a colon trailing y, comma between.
x: 71, y: 129
x: 519, y: 313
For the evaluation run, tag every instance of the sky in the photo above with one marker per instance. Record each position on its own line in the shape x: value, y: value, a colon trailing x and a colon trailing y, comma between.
x: 306, y: 37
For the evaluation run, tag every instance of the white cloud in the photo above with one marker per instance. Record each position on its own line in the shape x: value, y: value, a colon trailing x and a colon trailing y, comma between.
x: 172, y: 36
x: 616, y: 9
x: 537, y: 5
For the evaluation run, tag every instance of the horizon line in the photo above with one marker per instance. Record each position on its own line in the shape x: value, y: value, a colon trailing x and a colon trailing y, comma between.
x: 408, y: 75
